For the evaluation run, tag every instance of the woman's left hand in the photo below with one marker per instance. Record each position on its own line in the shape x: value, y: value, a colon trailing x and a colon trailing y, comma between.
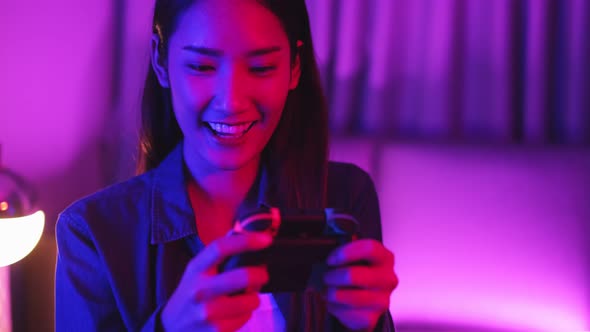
x: 359, y: 282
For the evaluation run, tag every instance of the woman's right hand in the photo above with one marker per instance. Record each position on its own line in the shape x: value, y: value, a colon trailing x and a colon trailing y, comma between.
x: 206, y: 300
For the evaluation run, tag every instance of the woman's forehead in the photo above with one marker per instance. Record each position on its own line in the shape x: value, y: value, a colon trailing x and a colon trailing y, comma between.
x: 229, y: 24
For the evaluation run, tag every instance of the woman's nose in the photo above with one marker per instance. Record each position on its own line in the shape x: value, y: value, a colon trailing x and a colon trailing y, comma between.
x: 232, y: 92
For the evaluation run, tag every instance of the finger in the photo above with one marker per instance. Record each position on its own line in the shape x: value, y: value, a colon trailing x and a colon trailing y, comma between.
x: 233, y: 324
x: 357, y: 298
x: 228, y: 307
x: 225, y: 247
x: 367, y: 251
x: 246, y: 279
x: 361, y: 277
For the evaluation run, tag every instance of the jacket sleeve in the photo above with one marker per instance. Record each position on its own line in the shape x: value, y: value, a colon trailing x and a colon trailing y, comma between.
x: 84, y: 300
x: 365, y: 205
x: 83, y: 297
x: 367, y: 211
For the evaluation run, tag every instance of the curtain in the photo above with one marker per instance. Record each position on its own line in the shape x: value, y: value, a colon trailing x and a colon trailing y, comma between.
x: 510, y: 71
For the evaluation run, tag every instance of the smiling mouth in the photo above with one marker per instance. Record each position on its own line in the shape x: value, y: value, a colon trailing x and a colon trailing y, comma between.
x: 230, y: 130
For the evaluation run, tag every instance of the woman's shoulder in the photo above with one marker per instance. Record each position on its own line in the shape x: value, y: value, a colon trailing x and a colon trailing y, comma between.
x: 347, y: 183
x: 348, y: 174
x: 351, y: 188
x: 109, y: 202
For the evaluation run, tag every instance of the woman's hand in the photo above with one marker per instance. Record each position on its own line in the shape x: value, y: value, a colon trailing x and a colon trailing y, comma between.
x: 359, y: 283
x: 207, y: 301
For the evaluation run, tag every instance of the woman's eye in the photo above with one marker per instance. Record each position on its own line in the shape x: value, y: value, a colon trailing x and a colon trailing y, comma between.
x: 262, y: 70
x: 202, y: 68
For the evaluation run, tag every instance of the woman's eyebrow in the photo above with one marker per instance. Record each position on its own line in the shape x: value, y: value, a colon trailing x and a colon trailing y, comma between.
x: 203, y: 50
x: 263, y: 51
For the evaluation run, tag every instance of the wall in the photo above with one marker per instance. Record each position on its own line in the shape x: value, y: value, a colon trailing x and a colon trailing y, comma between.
x: 486, y: 238
x: 55, y: 60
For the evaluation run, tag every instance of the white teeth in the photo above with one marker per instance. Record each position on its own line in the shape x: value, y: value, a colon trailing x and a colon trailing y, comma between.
x: 225, y: 129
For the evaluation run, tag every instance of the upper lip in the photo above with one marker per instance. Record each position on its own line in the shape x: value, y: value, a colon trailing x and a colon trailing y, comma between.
x: 231, y: 123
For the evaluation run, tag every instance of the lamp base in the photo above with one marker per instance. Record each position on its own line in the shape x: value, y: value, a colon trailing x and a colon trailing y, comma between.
x: 5, y: 312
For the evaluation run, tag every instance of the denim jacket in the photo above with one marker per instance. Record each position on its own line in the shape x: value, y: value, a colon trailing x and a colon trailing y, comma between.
x: 123, y: 250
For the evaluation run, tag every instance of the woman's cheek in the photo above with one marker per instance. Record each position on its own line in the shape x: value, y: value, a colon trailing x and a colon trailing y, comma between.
x: 275, y: 96
x: 197, y: 91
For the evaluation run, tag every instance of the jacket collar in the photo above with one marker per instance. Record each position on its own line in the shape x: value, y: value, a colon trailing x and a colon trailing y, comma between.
x: 172, y: 217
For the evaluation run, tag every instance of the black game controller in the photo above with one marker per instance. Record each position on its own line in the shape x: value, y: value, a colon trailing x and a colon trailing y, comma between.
x: 303, y: 239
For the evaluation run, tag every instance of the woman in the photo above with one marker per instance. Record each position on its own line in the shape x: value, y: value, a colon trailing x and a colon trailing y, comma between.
x: 233, y: 118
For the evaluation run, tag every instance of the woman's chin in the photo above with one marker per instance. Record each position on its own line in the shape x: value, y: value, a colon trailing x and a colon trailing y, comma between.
x: 233, y: 162
x: 227, y: 155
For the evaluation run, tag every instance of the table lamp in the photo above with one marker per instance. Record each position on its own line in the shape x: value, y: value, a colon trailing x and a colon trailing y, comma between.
x: 21, y: 227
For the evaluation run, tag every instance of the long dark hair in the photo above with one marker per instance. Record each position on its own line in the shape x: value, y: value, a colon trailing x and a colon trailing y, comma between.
x: 296, y: 155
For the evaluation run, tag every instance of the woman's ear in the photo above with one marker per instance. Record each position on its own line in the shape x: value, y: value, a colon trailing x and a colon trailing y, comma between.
x: 296, y: 68
x: 158, y: 62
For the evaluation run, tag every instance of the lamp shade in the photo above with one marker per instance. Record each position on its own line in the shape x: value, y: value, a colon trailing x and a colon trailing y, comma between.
x: 21, y: 226
x: 19, y: 236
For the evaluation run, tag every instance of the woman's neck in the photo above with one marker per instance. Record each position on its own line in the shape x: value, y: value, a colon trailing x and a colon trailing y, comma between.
x: 219, y: 187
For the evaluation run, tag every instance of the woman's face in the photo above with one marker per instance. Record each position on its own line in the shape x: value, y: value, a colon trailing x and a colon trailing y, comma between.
x: 229, y: 72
